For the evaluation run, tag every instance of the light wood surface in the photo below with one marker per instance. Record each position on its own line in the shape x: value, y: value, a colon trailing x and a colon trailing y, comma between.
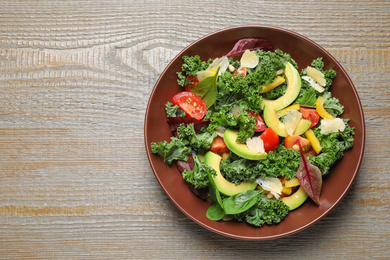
x: 75, y: 78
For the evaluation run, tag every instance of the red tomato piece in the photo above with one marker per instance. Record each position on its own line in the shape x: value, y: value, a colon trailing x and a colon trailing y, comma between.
x: 310, y: 152
x: 242, y: 71
x: 194, y: 80
x: 291, y: 141
x: 310, y: 114
x: 270, y: 139
x: 260, y: 125
x: 218, y: 146
x: 192, y: 104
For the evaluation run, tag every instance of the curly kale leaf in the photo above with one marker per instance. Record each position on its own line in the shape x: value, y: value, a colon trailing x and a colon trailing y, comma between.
x: 237, y: 171
x: 276, y: 92
x: 270, y: 63
x: 200, y: 142
x: 265, y: 211
x: 329, y: 74
x: 199, y: 175
x: 333, y: 147
x: 243, y: 122
x: 308, y: 95
x: 174, y: 110
x: 191, y: 65
x: 246, y: 124
x: 309, y: 99
x: 332, y: 105
x: 280, y: 162
x: 172, y: 151
x: 243, y: 91
x: 239, y: 91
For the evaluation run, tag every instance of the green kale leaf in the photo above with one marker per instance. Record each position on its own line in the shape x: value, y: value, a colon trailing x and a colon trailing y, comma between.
x: 239, y: 91
x: 308, y: 95
x: 237, y: 170
x: 333, y: 147
x: 276, y: 92
x: 199, y: 174
x: 200, y: 142
x: 174, y: 110
x: 332, y: 105
x: 265, y: 211
x: 174, y: 150
x: 243, y: 122
x: 329, y: 74
x: 270, y: 63
x: 280, y: 162
x: 191, y: 65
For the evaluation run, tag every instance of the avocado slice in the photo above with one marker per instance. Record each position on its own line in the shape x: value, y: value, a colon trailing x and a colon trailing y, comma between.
x: 293, y: 88
x: 272, y: 120
x: 302, y: 127
x: 242, y: 150
x: 223, y: 185
x: 296, y: 199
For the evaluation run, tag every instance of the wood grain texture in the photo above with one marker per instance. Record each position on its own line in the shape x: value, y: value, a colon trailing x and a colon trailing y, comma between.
x: 75, y: 78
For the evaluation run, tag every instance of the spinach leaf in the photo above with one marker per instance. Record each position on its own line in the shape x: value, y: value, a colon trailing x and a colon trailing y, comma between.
x: 240, y: 202
x: 215, y: 212
x: 207, y: 89
x: 265, y: 211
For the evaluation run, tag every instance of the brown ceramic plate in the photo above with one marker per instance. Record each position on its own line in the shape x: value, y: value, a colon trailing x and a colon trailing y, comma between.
x: 303, y: 51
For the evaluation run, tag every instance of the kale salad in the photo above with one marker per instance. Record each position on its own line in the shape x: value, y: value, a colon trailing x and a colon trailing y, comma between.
x: 253, y: 134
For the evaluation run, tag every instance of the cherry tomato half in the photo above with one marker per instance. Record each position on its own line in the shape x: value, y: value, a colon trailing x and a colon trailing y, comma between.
x: 242, y: 71
x: 260, y: 125
x: 270, y: 139
x: 218, y: 146
x: 193, y: 105
x: 291, y: 141
x: 194, y: 80
x: 310, y: 114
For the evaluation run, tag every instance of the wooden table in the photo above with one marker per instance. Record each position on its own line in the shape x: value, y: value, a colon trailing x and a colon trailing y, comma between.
x: 75, y: 78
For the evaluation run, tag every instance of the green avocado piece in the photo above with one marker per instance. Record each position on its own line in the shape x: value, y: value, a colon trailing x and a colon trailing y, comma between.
x: 272, y: 120
x: 242, y: 150
x: 302, y: 127
x: 296, y: 199
x: 223, y: 185
x: 293, y: 88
